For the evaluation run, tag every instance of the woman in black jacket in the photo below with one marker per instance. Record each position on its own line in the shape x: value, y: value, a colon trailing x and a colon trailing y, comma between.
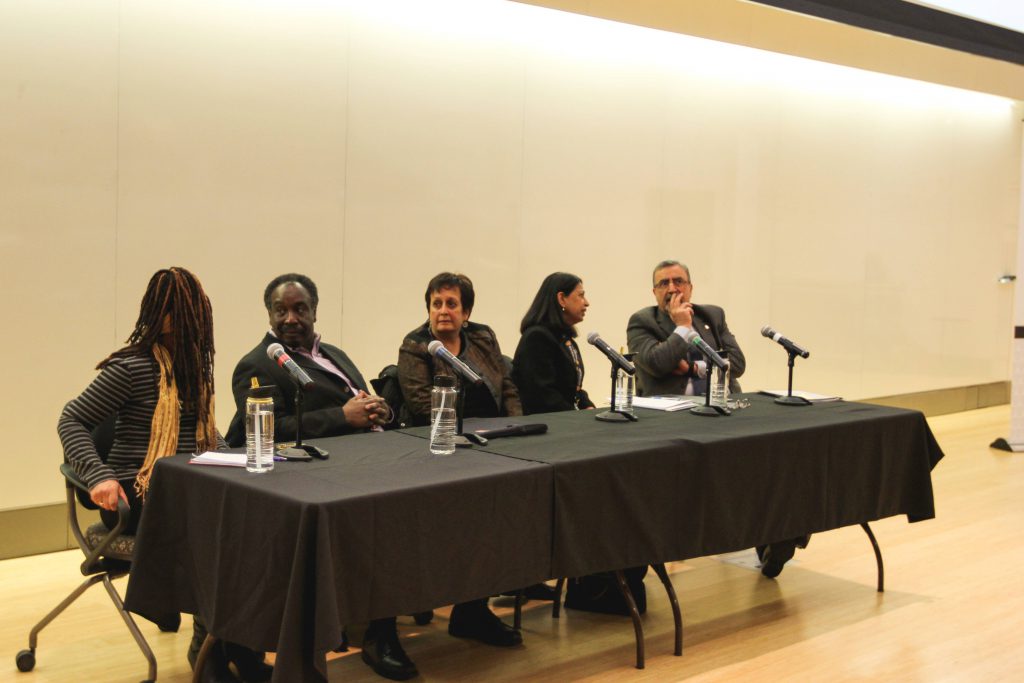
x: 548, y: 371
x: 548, y: 368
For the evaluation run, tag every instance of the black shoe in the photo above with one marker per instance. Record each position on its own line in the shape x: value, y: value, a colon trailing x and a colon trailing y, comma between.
x: 250, y: 664
x: 387, y: 658
x: 775, y: 556
x: 423, y: 618
x: 485, y: 626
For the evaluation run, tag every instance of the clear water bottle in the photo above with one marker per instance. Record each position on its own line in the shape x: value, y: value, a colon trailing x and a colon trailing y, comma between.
x: 259, y: 429
x: 720, y: 384
x: 624, y: 388
x: 442, y: 416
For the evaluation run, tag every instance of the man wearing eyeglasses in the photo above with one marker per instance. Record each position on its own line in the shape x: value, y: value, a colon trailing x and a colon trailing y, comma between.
x: 665, y: 363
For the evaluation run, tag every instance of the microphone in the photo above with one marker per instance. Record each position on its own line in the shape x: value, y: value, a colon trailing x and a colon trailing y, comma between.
x: 693, y: 339
x: 614, y: 356
x: 277, y: 353
x: 436, y: 349
x: 787, y: 344
x: 514, y: 430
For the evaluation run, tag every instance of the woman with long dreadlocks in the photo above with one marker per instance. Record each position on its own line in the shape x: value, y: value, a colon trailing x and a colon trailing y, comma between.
x: 159, y: 390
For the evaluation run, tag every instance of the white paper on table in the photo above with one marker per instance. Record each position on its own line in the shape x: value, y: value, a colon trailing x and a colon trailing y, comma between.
x: 219, y: 459
x: 810, y: 396
x: 667, y: 403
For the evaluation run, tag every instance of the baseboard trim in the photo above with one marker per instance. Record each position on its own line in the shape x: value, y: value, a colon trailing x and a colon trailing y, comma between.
x: 39, y: 529
x: 951, y: 400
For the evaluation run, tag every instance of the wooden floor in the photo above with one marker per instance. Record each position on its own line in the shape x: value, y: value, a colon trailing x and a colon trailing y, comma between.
x: 953, y: 609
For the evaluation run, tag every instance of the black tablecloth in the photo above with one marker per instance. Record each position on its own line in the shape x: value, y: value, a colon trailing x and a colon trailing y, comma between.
x: 281, y: 561
x: 676, y: 485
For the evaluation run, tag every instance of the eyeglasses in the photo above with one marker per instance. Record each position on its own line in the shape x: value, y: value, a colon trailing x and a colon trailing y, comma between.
x: 677, y: 281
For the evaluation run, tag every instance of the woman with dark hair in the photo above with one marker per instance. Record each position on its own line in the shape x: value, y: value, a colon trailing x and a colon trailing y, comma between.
x: 449, y: 298
x: 548, y: 366
x: 549, y: 374
x: 158, y: 388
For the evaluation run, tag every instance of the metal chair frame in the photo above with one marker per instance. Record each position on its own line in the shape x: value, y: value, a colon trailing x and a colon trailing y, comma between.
x: 99, y: 566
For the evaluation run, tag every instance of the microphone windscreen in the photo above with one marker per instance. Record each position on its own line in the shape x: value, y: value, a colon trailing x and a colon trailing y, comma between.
x: 274, y: 350
x: 434, y: 346
x: 767, y: 331
x: 593, y: 337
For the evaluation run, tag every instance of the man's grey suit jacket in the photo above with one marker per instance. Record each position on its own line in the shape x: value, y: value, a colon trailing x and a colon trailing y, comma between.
x: 658, y: 351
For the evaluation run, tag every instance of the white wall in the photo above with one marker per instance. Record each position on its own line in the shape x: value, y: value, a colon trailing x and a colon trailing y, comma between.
x: 371, y: 147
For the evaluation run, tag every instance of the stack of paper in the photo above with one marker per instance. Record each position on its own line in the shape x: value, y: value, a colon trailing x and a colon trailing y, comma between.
x: 219, y: 459
x: 668, y: 403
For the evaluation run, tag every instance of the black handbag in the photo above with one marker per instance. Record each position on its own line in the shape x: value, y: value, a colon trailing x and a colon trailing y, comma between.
x: 600, y: 592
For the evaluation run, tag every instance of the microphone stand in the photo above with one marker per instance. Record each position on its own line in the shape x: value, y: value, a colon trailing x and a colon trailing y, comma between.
x: 461, y: 441
x: 613, y: 415
x: 299, y: 450
x: 708, y: 410
x: 789, y: 399
x: 460, y: 404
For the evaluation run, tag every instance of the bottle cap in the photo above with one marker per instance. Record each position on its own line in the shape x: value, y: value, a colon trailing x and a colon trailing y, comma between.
x: 444, y: 381
x: 262, y: 392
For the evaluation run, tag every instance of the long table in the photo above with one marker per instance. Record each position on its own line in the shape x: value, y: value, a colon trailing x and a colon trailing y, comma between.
x: 281, y: 561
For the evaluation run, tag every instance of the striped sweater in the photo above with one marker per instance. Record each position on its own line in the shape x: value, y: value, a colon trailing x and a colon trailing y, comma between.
x: 128, y: 388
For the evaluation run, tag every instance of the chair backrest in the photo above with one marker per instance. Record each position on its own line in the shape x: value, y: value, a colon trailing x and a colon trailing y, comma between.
x: 387, y: 386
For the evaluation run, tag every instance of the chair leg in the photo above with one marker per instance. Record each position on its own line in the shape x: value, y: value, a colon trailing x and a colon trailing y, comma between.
x: 140, y: 640
x: 204, y: 653
x: 659, y: 569
x: 33, y: 636
x: 517, y: 614
x: 878, y: 556
x: 556, y: 607
x: 638, y: 629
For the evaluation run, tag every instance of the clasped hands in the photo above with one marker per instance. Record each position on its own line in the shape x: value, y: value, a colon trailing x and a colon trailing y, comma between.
x: 365, y: 410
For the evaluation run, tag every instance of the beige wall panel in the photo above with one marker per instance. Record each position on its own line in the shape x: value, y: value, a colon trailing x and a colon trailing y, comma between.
x: 57, y: 209
x: 592, y: 195
x: 232, y: 158
x: 434, y: 175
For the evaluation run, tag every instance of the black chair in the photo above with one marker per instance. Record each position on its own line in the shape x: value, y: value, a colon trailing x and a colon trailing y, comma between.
x: 108, y: 556
x: 387, y: 386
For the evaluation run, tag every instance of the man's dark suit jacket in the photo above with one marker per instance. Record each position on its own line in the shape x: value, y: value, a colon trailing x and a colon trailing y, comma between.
x: 658, y: 351
x: 322, y: 413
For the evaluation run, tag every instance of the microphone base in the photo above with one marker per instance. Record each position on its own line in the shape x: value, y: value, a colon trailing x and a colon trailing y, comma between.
x: 792, y: 401
x: 710, y: 411
x: 303, y: 452
x: 615, y: 416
